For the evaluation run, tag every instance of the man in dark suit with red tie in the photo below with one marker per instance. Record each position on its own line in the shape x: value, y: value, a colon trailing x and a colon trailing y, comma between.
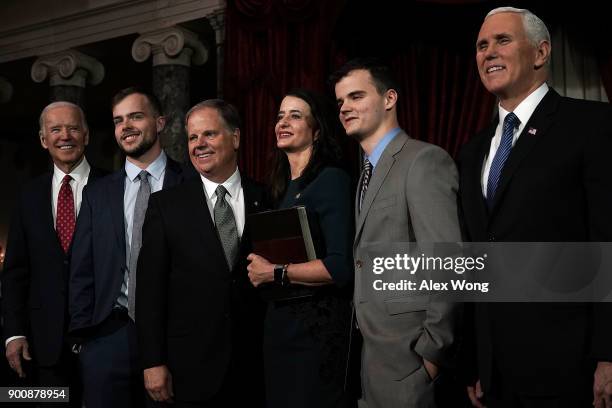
x: 35, y: 277
x: 199, y: 320
x: 539, y: 173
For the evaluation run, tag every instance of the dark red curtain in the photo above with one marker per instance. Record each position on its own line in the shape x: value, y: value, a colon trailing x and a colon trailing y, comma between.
x: 605, y: 69
x: 442, y: 100
x: 273, y: 46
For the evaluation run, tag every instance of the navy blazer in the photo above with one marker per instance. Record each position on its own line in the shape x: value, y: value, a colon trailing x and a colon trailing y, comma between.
x: 35, y: 276
x: 98, y: 261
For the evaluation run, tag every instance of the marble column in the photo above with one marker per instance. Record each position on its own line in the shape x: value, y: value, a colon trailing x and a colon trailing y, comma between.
x: 6, y: 90
x: 174, y: 50
x: 217, y: 22
x: 68, y: 72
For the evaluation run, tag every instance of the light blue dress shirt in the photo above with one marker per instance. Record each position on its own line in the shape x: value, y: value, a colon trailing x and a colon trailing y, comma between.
x: 157, y: 171
x: 381, y: 146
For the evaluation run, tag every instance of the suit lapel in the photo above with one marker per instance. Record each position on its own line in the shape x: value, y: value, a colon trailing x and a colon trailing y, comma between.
x: 116, y: 193
x: 473, y: 180
x: 173, y: 175
x: 540, y: 120
x: 252, y: 204
x: 378, y: 177
x: 198, y: 206
x: 252, y: 199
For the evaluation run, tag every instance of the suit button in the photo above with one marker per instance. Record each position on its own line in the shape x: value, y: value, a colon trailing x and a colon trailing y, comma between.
x: 358, y: 263
x: 66, y: 262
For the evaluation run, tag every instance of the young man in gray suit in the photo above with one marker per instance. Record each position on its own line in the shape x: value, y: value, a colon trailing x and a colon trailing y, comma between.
x: 406, y: 194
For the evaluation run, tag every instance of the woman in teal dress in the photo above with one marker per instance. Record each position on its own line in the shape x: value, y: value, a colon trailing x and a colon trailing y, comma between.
x: 306, y: 340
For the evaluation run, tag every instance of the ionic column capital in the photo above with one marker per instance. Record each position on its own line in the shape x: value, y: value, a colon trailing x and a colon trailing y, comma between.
x: 68, y: 67
x: 170, y: 46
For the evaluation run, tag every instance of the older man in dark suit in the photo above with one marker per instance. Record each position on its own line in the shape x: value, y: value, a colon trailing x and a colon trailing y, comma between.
x: 538, y: 173
x: 200, y: 322
x: 104, y: 258
x: 35, y: 276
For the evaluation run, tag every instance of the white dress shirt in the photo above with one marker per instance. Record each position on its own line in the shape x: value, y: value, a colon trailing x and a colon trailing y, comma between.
x: 234, y: 196
x: 523, y: 111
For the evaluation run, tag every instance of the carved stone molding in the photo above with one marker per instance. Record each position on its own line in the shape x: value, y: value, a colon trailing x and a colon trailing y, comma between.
x: 68, y: 67
x: 217, y: 22
x: 6, y: 90
x: 86, y: 22
x: 170, y: 46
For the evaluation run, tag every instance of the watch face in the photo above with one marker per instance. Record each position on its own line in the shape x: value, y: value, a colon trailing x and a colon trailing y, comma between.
x: 278, y: 274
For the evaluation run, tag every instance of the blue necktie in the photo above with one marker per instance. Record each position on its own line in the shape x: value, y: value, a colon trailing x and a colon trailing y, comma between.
x: 511, y: 122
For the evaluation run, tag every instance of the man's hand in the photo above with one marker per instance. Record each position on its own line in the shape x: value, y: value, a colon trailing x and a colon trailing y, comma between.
x: 602, y: 385
x: 158, y: 383
x: 475, y: 393
x: 260, y: 270
x: 431, y: 369
x: 15, y: 350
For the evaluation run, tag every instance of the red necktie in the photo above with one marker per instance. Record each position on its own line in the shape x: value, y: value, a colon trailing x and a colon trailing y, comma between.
x: 64, y: 222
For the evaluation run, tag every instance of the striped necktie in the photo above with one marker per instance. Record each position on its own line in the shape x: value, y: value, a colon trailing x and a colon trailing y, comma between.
x: 511, y: 122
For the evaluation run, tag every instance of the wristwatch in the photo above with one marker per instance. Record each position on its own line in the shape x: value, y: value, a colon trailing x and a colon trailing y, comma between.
x: 278, y: 274
x: 285, y: 277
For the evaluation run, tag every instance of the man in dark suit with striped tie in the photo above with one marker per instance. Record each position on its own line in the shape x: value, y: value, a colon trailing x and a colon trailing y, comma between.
x: 539, y: 173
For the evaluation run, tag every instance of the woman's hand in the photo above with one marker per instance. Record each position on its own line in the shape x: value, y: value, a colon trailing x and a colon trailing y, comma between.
x: 260, y: 270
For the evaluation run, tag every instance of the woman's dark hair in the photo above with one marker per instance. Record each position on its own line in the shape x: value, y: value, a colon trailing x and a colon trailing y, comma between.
x: 326, y: 150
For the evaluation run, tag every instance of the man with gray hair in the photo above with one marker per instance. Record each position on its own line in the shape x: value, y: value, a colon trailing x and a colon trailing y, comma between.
x: 200, y: 321
x: 538, y: 173
x: 34, y: 280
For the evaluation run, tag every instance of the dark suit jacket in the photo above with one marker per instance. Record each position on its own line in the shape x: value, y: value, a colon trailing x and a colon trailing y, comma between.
x: 555, y: 187
x: 35, y: 276
x: 98, y: 259
x: 194, y: 314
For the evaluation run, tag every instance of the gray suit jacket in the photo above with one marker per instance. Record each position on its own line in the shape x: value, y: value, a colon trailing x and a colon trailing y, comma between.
x: 411, y: 198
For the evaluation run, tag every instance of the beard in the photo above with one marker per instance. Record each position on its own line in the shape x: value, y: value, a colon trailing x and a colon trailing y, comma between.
x: 137, y: 151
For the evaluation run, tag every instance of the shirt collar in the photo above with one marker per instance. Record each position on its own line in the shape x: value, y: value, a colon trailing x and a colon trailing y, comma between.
x: 525, y: 109
x: 232, y: 185
x: 155, y: 169
x: 380, y: 147
x: 78, y: 174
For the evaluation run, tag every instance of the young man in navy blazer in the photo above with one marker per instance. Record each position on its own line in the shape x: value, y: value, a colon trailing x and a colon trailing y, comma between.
x: 102, y: 284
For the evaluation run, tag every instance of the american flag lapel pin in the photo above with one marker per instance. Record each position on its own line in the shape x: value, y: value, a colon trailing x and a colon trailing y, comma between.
x: 532, y: 131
